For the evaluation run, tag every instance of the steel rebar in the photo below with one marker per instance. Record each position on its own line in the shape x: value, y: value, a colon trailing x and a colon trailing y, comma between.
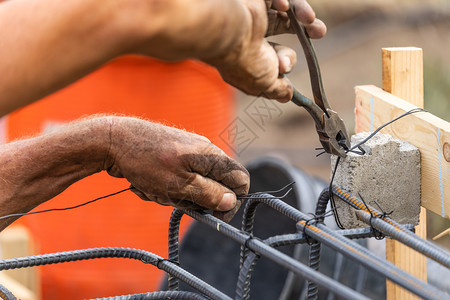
x: 421, y: 245
x: 381, y: 225
x: 144, y: 256
x: 164, y: 295
x: 278, y: 257
x: 353, y: 250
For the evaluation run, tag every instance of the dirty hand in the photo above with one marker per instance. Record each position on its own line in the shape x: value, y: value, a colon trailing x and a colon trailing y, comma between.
x: 174, y: 167
x: 279, y: 21
x: 255, y: 66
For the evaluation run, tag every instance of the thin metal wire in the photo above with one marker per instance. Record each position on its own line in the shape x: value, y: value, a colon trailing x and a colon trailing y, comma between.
x: 65, y: 208
x: 278, y: 257
x: 353, y: 250
x: 317, y: 231
x: 410, y: 112
x: 383, y: 226
x: 269, y: 192
x: 362, y: 152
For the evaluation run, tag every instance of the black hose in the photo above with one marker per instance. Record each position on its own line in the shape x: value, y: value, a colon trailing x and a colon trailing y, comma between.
x: 314, y: 249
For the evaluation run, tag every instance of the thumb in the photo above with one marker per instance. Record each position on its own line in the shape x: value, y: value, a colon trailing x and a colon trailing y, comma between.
x: 206, y: 192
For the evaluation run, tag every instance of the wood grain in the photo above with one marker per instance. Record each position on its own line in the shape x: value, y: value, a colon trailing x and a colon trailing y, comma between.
x: 422, y: 130
x: 403, y: 77
x: 402, y: 71
x: 15, y: 241
x: 427, y: 132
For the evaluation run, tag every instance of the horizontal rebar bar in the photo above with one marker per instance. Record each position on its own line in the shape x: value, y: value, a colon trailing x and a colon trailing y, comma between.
x: 351, y: 249
x: 381, y: 225
x: 360, y: 205
x: 280, y: 258
x: 431, y: 250
x: 144, y: 256
x: 163, y: 295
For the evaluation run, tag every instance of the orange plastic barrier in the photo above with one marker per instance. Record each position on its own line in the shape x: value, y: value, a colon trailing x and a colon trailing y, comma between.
x: 188, y: 95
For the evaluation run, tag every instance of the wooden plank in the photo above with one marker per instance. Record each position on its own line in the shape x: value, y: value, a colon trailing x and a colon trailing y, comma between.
x: 429, y: 133
x: 15, y: 241
x: 403, y: 77
x: 17, y: 289
x: 403, y: 73
x: 443, y: 233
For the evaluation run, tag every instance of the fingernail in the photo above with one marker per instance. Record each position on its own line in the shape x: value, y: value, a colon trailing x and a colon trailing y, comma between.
x: 228, y: 202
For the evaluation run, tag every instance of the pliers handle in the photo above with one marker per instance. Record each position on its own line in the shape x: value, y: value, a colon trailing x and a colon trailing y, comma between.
x: 331, y: 129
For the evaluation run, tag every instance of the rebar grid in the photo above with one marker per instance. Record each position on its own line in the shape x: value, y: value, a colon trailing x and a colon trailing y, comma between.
x: 386, y: 228
x: 325, y: 235
x: 253, y: 248
x: 393, y: 229
x: 144, y: 256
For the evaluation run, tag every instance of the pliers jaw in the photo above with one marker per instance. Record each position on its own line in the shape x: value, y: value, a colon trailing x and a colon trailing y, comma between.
x: 331, y: 129
x: 333, y: 135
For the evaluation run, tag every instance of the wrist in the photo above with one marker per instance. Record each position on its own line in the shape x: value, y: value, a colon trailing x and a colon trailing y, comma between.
x: 88, y: 141
x: 200, y: 29
x: 54, y: 160
x: 132, y: 139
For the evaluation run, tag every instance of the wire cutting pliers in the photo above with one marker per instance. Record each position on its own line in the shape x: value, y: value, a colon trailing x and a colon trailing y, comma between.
x: 331, y: 129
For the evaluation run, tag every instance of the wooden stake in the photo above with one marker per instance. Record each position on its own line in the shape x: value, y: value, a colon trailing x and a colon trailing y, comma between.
x: 403, y: 77
x: 15, y: 241
x: 375, y: 107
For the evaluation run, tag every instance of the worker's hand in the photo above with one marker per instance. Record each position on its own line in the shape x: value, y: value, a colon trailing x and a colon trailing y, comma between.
x: 254, y: 66
x: 176, y: 168
x: 279, y: 21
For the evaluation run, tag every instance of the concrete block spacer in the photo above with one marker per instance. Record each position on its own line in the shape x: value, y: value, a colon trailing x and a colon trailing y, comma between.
x: 388, y: 173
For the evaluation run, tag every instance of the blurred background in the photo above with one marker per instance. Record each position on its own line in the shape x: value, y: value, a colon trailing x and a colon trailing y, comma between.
x: 350, y: 55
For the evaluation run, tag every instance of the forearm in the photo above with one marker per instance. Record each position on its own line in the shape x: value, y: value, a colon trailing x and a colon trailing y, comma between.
x: 35, y: 170
x: 48, y: 44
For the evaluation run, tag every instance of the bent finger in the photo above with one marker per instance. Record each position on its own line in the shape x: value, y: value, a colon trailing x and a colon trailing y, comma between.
x: 304, y: 12
x: 287, y: 58
x: 281, y: 90
x: 206, y: 193
x: 317, y: 29
x: 221, y: 168
x: 278, y: 23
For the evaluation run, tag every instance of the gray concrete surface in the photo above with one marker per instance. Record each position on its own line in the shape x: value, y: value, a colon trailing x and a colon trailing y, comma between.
x: 389, y: 173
